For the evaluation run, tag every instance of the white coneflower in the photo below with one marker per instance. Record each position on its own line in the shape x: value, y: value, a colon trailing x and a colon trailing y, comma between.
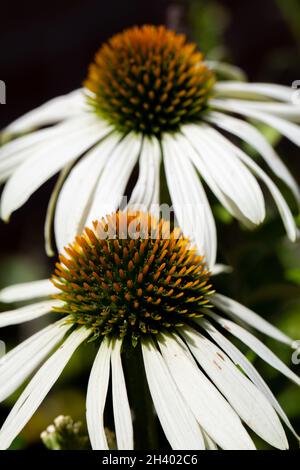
x: 150, y: 295
x: 149, y: 95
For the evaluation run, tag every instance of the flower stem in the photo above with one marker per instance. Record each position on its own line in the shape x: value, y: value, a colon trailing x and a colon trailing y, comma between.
x: 144, y: 419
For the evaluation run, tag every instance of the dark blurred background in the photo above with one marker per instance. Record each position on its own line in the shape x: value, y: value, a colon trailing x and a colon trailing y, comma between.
x: 45, y: 50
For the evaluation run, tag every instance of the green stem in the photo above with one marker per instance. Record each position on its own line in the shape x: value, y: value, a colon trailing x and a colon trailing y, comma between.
x: 145, y: 422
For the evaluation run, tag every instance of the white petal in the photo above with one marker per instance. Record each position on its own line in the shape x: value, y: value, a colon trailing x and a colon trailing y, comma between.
x: 253, y: 90
x: 96, y: 396
x: 220, y: 268
x: 27, y: 291
x: 76, y: 195
x: 290, y: 112
x: 16, y: 146
x: 210, y: 409
x: 143, y: 190
x: 20, y: 362
x: 27, y: 313
x: 227, y: 70
x: 122, y: 413
x: 178, y: 423
x: 6, y: 173
x: 240, y: 360
x: 286, y: 215
x: 257, y: 346
x: 198, y: 158
x: 190, y: 203
x: 51, y: 209
x: 238, y: 311
x: 7, y: 360
x: 224, y: 167
x: 283, y: 208
x: 38, y: 388
x: 249, y: 403
x: 248, y: 192
x: 114, y: 178
x: 41, y: 165
x: 209, y: 443
x: 155, y: 156
x: 288, y: 129
x: 50, y: 112
x: 18, y: 150
x: 146, y: 191
x: 52, y: 206
x: 256, y: 139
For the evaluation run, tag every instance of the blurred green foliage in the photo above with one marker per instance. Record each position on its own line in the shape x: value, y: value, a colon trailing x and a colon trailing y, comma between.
x: 208, y: 22
x: 291, y: 12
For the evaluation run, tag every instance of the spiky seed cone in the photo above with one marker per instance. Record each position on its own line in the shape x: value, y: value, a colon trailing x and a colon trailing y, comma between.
x: 150, y: 80
x: 131, y: 287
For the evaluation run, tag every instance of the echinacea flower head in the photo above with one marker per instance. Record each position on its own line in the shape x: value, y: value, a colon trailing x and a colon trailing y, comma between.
x: 149, y: 80
x: 116, y: 287
x: 149, y: 97
x: 149, y: 294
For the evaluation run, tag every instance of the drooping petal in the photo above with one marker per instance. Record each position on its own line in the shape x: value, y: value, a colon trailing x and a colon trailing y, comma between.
x: 224, y: 168
x: 145, y: 194
x: 220, y: 268
x: 27, y: 291
x: 286, y: 128
x: 253, y: 90
x: 18, y: 150
x: 247, y: 400
x: 57, y: 109
x: 198, y: 158
x: 253, y: 137
x: 25, y: 142
x: 247, y: 183
x: 114, y: 178
x: 211, y: 410
x: 190, y: 203
x: 209, y: 443
x: 241, y: 361
x: 51, y: 209
x: 232, y: 72
x: 17, y: 365
x: 238, y: 311
x: 155, y: 156
x: 41, y: 165
x: 286, y: 215
x: 122, y: 413
x: 38, y: 388
x: 290, y: 112
x: 96, y: 396
x: 76, y: 195
x: 27, y: 313
x: 256, y: 345
x: 178, y: 422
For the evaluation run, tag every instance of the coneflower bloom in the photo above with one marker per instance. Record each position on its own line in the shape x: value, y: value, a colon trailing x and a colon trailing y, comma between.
x: 151, y: 294
x: 150, y: 96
